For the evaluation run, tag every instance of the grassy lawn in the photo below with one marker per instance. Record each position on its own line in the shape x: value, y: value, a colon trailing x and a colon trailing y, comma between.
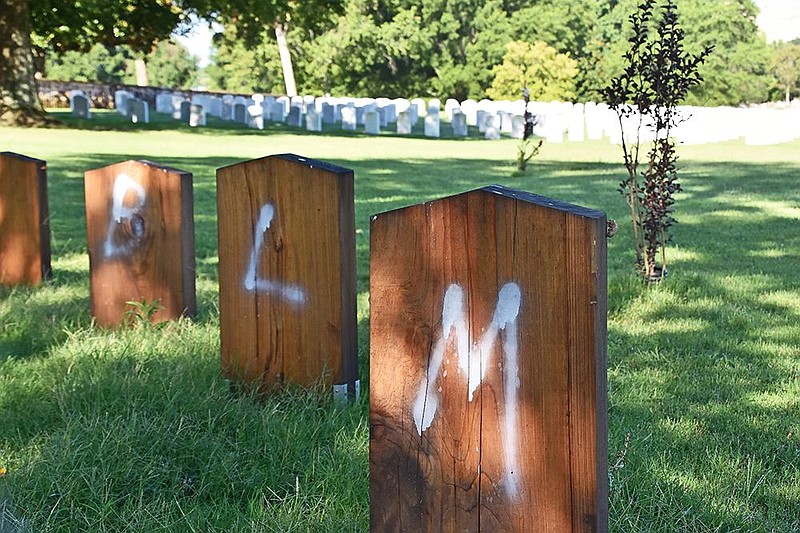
x: 135, y: 430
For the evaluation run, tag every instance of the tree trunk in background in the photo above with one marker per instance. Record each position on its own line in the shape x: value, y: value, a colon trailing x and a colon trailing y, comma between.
x: 286, y: 59
x: 19, y: 100
x: 142, y: 79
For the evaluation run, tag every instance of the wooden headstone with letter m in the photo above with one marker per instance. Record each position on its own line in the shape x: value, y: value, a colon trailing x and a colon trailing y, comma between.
x: 287, y: 273
x: 487, y: 366
x: 24, y: 222
x: 140, y: 233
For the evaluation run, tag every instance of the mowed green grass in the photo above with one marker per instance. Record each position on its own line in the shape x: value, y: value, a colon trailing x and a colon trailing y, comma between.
x: 135, y: 430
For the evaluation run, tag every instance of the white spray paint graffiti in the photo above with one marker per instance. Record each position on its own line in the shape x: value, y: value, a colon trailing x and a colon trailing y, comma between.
x: 473, y: 360
x: 252, y: 282
x: 123, y: 184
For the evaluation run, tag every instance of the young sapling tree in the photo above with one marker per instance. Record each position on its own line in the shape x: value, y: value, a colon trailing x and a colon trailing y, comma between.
x: 657, y: 76
x: 528, y: 147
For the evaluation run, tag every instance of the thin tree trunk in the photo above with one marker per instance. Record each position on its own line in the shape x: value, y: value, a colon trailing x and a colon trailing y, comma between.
x: 286, y: 59
x: 142, y: 79
x: 788, y: 93
x: 19, y: 99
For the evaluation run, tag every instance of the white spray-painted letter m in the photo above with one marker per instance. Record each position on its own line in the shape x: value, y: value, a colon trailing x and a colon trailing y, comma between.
x: 473, y: 360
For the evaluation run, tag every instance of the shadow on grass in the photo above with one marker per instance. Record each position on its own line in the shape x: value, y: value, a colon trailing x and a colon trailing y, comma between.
x: 127, y: 425
x: 702, y: 387
x: 701, y: 368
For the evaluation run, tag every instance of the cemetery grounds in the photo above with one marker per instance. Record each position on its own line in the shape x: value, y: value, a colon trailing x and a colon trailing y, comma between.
x: 136, y: 430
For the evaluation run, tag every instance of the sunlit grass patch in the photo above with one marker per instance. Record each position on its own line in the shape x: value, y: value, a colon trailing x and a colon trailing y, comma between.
x: 135, y: 429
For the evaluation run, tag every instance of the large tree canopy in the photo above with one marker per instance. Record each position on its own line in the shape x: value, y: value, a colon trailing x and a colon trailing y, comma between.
x: 448, y: 48
x: 443, y: 48
x: 62, y: 25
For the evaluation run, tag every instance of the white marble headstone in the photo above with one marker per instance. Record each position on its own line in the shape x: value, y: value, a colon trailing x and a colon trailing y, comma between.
x: 404, y: 123
x: 432, y: 122
x: 349, y: 117
x: 197, y: 115
x: 313, y: 119
x: 459, y: 123
x: 372, y: 122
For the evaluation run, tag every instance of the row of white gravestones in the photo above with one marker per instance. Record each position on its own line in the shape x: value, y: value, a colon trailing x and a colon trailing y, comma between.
x: 555, y: 121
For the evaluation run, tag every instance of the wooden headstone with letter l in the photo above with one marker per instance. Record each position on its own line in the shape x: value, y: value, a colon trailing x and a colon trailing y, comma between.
x: 488, y: 366
x: 24, y: 220
x: 140, y: 233
x: 287, y: 274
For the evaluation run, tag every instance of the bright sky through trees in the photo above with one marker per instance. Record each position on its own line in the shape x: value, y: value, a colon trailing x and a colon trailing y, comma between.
x: 198, y: 40
x: 779, y: 19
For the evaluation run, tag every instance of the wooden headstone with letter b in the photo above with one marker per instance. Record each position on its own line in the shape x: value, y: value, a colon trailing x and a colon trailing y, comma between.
x: 140, y: 233
x: 24, y: 222
x: 487, y: 366
x: 287, y: 273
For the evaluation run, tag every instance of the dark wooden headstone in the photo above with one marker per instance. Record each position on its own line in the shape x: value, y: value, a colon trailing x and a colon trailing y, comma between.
x: 140, y: 232
x: 287, y: 273
x: 487, y: 366
x: 24, y: 220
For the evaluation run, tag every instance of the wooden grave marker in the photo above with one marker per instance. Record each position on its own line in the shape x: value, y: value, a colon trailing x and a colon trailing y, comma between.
x: 487, y: 366
x: 24, y: 220
x: 287, y: 273
x: 140, y: 233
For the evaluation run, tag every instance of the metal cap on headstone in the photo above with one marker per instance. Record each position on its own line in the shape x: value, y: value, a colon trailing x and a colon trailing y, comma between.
x: 487, y: 365
x: 140, y: 233
x: 287, y: 273
x: 24, y: 220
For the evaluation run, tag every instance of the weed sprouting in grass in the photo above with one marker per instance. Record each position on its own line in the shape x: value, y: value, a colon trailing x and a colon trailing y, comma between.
x: 141, y: 312
x: 528, y: 147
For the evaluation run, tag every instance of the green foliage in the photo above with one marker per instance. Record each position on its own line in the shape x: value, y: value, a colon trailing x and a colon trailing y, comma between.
x: 105, y: 65
x: 548, y: 74
x: 168, y: 64
x: 141, y: 312
x: 61, y: 25
x: 785, y: 66
x: 364, y: 56
x: 656, y: 78
x: 737, y: 72
x: 448, y: 49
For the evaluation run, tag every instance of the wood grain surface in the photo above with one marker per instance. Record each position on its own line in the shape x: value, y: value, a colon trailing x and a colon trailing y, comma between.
x: 287, y: 272
x: 24, y: 220
x: 140, y: 236
x: 497, y: 424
